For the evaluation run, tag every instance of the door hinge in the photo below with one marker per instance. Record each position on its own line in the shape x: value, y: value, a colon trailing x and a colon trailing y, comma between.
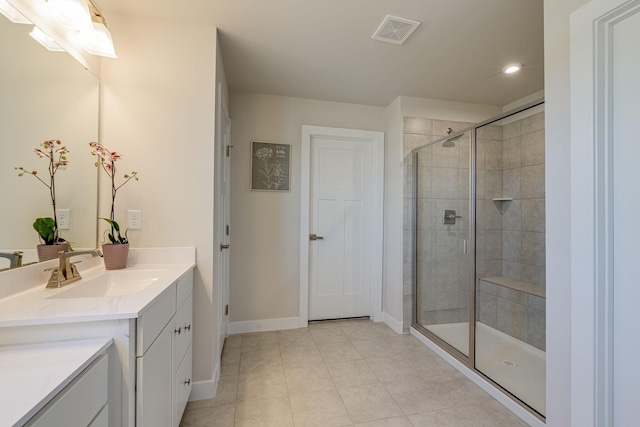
x: 226, y: 310
x: 229, y: 147
x: 227, y: 228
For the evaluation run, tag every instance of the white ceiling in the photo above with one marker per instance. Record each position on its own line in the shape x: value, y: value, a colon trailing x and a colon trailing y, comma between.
x: 322, y: 49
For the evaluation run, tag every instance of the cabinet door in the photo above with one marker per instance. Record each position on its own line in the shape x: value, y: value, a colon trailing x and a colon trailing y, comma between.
x: 183, y: 331
x: 182, y: 387
x: 154, y: 382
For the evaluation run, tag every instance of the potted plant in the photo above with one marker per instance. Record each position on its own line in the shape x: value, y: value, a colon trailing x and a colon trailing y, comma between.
x: 115, y: 252
x: 47, y: 228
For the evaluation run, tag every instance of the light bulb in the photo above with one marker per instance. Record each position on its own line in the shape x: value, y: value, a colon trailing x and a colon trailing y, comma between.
x: 97, y: 40
x: 73, y: 14
x: 512, y: 68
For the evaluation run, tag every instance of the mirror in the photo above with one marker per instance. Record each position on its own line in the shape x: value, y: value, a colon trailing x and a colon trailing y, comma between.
x: 44, y: 95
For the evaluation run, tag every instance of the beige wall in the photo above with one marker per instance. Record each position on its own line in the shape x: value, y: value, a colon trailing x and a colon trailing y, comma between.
x: 265, y: 226
x: 158, y: 109
x: 393, y: 298
x: 558, y: 207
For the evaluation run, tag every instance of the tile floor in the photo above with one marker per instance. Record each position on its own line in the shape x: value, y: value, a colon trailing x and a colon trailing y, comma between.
x: 342, y: 373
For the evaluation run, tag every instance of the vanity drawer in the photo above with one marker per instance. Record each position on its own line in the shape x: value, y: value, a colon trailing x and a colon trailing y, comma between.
x: 182, y: 387
x: 183, y: 330
x: 102, y: 419
x: 79, y: 402
x: 184, y: 288
x: 154, y: 319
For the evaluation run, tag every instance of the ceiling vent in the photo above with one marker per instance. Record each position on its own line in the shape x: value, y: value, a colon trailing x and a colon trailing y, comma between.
x: 395, y: 30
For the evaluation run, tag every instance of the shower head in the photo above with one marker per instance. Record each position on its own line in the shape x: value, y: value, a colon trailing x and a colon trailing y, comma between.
x: 451, y: 142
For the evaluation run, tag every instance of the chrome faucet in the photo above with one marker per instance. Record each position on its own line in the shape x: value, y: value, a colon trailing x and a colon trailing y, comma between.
x: 67, y: 273
x: 15, y: 258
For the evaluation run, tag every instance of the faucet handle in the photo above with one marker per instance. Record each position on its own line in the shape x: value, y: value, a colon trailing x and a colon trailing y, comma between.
x: 74, y: 272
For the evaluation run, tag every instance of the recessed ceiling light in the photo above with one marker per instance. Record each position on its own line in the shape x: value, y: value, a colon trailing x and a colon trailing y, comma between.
x: 512, y: 68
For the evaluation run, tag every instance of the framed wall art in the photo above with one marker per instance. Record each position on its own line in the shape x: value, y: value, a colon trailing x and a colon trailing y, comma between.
x: 270, y: 166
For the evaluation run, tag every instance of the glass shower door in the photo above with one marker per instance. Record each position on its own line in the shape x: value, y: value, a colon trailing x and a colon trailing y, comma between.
x: 443, y: 262
x: 510, y: 247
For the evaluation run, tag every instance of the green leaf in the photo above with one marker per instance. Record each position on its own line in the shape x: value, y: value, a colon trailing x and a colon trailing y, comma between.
x: 46, y: 228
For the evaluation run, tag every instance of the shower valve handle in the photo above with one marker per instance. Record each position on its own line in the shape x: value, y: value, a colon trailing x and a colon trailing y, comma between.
x: 449, y: 216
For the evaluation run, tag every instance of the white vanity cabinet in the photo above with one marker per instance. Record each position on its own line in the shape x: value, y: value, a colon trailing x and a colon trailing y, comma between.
x: 164, y: 357
x: 80, y: 404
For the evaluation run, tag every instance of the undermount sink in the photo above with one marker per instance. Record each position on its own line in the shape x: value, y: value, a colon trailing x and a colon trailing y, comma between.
x: 114, y: 283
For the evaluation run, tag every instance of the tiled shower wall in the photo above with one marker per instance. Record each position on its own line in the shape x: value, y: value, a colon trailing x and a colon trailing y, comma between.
x: 511, y: 165
x: 443, y: 173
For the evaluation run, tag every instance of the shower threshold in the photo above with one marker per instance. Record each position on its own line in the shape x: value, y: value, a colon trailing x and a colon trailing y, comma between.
x: 517, y: 366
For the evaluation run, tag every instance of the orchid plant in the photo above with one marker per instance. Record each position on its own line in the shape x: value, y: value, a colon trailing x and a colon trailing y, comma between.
x: 107, y: 161
x: 56, y: 153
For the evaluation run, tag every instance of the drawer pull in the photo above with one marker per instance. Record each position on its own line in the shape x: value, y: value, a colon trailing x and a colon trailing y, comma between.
x: 188, y: 382
x: 178, y: 331
x: 187, y: 328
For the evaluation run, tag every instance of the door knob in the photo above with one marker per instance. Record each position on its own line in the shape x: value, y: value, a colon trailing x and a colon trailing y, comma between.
x: 313, y: 237
x: 224, y: 247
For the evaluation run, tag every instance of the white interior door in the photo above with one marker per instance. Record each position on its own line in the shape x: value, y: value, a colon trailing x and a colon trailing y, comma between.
x: 226, y: 218
x: 341, y: 218
x: 222, y: 217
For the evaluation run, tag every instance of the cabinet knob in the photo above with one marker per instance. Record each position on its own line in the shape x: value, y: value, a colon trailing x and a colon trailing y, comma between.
x: 178, y: 331
x: 188, y: 382
x: 187, y: 328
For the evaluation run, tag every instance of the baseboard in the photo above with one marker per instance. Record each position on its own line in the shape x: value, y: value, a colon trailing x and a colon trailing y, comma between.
x: 518, y: 410
x: 262, y: 325
x: 394, y: 324
x: 202, y: 390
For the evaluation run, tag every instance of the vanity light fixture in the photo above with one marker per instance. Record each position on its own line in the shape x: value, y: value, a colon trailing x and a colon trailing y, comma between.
x: 97, y: 40
x: 73, y: 14
x: 12, y: 14
x: 46, y: 41
x: 512, y: 68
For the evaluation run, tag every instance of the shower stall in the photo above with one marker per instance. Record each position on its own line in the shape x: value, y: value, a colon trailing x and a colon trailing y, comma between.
x: 477, y: 235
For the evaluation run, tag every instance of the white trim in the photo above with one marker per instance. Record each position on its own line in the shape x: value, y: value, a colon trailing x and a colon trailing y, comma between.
x: 202, y: 390
x: 377, y: 140
x: 262, y: 325
x: 591, y: 209
x: 518, y: 410
x: 393, y: 323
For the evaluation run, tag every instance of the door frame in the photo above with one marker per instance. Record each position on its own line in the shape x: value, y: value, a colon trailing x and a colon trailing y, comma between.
x: 592, y: 139
x: 220, y: 154
x: 375, y: 138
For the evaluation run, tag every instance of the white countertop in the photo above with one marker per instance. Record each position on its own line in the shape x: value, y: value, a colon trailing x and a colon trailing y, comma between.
x: 35, y: 306
x: 32, y: 375
x: 31, y: 303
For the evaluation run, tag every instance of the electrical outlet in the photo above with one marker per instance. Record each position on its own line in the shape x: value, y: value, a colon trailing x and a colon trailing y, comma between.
x: 135, y: 220
x: 63, y: 218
